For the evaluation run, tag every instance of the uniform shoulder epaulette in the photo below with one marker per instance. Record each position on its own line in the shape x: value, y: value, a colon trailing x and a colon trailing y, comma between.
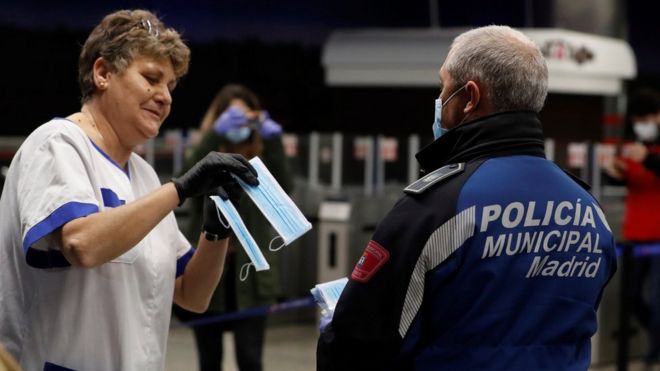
x: 432, y: 178
x: 578, y: 180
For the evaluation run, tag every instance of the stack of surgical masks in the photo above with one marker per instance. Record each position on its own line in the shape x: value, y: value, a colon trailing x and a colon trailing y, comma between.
x: 288, y: 221
x: 327, y: 294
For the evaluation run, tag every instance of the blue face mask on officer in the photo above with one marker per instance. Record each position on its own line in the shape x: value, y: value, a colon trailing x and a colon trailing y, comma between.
x: 438, y: 130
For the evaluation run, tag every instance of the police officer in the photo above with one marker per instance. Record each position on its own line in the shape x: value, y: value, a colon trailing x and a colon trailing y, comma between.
x: 496, y: 259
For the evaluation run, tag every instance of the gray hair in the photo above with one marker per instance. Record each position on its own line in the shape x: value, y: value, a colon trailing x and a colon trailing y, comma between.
x: 508, y: 64
x: 122, y: 36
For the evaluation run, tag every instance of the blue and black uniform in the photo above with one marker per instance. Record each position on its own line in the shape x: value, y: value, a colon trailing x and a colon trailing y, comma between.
x: 496, y: 259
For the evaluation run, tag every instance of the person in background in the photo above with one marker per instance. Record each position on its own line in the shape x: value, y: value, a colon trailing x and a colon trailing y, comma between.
x: 91, y: 257
x: 496, y: 259
x: 235, y: 122
x: 638, y: 168
x: 641, y: 129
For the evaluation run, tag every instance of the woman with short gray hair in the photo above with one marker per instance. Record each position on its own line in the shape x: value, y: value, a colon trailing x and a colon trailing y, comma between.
x: 91, y: 257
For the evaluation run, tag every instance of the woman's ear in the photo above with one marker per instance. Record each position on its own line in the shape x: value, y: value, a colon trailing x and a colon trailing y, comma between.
x: 101, y: 72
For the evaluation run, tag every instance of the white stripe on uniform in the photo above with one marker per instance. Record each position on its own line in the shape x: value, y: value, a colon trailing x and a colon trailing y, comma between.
x: 440, y: 245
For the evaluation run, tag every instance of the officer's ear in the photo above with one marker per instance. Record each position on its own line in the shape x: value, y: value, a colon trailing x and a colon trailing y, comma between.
x: 474, y: 97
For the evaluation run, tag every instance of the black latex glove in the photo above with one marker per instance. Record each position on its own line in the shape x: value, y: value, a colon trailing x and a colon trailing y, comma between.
x: 231, y: 191
x: 214, y: 224
x: 212, y: 227
x: 212, y: 172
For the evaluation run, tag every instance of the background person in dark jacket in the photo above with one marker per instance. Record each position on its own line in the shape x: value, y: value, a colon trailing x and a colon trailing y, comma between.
x: 638, y: 168
x: 496, y: 259
x: 236, y: 123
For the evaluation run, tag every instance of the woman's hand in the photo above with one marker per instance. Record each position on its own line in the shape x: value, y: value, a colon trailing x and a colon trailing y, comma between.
x: 213, y: 171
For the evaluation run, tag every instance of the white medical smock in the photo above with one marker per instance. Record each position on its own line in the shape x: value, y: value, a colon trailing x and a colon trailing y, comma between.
x: 112, y: 317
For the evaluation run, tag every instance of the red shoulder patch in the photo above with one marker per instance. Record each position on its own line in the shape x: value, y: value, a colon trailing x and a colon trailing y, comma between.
x: 373, y: 258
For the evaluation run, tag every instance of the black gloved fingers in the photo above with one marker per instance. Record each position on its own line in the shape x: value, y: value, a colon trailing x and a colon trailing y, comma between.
x: 228, y: 162
x: 220, y: 191
x: 213, y: 170
x: 239, y: 166
x: 234, y: 192
x: 196, y: 181
x: 230, y: 191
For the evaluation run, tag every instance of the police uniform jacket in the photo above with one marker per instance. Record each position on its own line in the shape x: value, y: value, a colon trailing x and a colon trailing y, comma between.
x: 494, y: 260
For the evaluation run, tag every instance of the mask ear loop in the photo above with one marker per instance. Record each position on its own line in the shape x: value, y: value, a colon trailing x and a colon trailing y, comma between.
x: 245, y: 272
x: 222, y: 221
x: 276, y: 248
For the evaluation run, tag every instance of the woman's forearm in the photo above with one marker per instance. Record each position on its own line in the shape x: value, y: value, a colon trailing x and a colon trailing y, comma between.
x: 98, y: 238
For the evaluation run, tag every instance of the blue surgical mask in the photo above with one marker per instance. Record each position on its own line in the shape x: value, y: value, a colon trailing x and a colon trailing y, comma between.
x: 242, y: 235
x: 438, y: 130
x: 238, y: 135
x: 276, y: 206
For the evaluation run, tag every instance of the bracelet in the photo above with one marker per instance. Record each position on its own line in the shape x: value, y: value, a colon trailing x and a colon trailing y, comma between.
x: 212, y: 236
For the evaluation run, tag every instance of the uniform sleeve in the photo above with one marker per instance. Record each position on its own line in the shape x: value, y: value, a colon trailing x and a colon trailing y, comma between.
x: 183, y: 256
x: 175, y: 240
x: 184, y: 252
x: 54, y: 188
x: 365, y: 331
